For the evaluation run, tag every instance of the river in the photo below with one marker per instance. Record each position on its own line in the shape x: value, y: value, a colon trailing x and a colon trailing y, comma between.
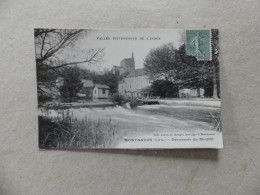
x: 148, y: 119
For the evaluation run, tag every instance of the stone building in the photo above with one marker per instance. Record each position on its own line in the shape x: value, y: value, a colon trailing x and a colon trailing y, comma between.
x: 136, y: 84
x: 127, y: 66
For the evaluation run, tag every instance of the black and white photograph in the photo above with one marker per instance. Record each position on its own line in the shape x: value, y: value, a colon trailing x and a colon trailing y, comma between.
x: 128, y: 89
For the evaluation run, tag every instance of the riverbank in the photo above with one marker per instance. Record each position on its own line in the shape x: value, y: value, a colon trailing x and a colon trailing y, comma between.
x: 205, y: 102
x: 59, y: 105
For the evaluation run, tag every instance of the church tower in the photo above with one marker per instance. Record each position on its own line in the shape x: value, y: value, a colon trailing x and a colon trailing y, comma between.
x: 127, y: 65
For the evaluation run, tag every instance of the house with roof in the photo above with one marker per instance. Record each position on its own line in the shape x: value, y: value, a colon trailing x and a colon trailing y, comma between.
x: 87, y: 89
x: 100, y: 91
x: 91, y: 90
x: 136, y: 84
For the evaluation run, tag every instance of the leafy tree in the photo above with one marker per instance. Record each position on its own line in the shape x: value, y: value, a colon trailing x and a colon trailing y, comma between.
x: 171, y: 64
x: 110, y: 80
x: 193, y: 73
x: 71, y: 82
x: 162, y: 63
x: 205, y: 74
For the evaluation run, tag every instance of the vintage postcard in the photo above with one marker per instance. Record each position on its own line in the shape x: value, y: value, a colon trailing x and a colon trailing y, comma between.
x: 128, y: 89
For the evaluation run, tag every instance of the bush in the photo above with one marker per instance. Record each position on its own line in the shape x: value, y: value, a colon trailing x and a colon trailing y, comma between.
x: 134, y: 104
x: 118, y: 99
x: 164, y: 89
x: 44, y: 98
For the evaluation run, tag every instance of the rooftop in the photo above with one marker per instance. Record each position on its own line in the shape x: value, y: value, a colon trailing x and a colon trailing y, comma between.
x: 100, y: 86
x: 87, y: 83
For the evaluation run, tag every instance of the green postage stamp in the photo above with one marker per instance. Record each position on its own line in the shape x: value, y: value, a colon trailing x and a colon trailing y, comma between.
x: 198, y: 44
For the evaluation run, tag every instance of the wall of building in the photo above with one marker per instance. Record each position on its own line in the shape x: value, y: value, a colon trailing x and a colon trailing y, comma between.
x: 98, y: 93
x: 133, y: 84
x: 191, y: 92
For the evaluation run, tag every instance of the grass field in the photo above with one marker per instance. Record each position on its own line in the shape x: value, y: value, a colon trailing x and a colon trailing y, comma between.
x: 68, y: 132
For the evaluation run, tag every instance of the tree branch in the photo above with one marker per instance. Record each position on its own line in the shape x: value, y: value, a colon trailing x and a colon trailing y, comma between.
x: 51, y: 51
x: 43, y: 43
x: 74, y: 63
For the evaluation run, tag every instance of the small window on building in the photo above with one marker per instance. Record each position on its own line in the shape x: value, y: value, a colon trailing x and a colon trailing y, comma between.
x: 95, y: 91
x: 103, y: 91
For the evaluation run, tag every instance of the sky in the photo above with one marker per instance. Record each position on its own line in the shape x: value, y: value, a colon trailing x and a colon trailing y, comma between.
x: 117, y: 49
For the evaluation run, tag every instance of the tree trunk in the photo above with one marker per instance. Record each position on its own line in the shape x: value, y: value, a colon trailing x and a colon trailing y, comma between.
x: 198, y: 91
x: 215, y: 92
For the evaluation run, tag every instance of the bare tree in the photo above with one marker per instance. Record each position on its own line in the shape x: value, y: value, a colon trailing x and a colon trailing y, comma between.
x: 49, y: 46
x: 50, y: 42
